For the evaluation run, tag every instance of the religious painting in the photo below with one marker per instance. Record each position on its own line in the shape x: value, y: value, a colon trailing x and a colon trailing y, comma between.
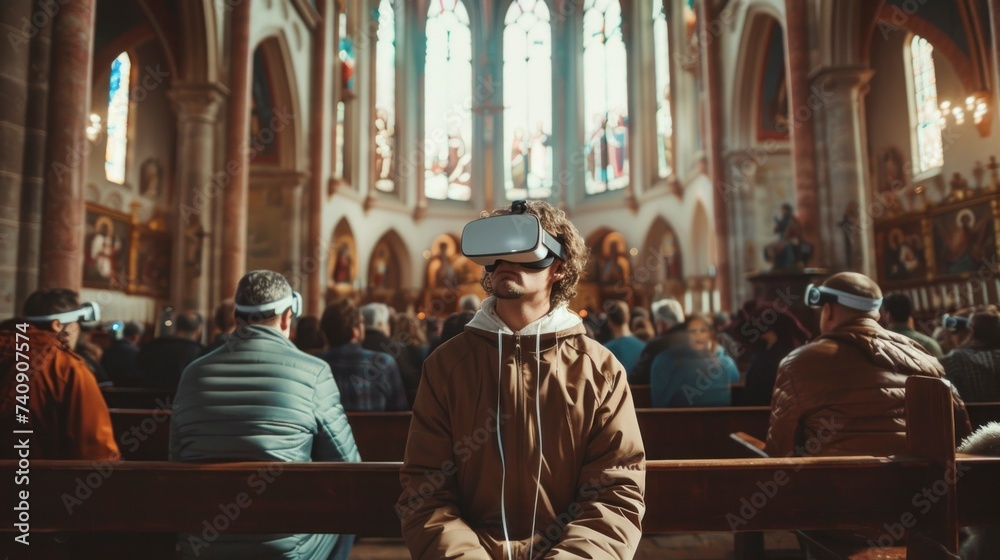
x: 614, y: 268
x: 901, y: 252
x: 268, y: 235
x: 773, y: 113
x: 107, y: 248
x: 150, y: 178
x: 441, y: 270
x: 152, y: 264
x: 383, y: 269
x: 965, y: 238
x: 343, y: 265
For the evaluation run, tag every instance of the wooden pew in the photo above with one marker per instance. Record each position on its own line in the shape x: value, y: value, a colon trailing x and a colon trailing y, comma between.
x: 981, y: 414
x: 691, y: 433
x: 144, y: 435
x: 681, y: 496
x: 674, y: 433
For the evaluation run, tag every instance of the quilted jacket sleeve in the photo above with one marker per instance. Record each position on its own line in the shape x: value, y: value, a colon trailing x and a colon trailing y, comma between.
x: 785, y: 414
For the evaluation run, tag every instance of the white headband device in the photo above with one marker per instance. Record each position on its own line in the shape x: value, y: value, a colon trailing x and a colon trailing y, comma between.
x: 843, y: 298
x: 87, y: 313
x: 294, y: 301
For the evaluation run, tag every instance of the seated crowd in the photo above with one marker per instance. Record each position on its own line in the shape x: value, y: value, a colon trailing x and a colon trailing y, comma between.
x: 292, y: 378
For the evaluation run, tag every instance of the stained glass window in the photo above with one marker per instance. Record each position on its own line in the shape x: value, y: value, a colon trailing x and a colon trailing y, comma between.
x: 385, y: 98
x: 447, y: 102
x: 527, y: 94
x: 929, y: 151
x: 664, y: 117
x: 605, y: 97
x: 118, y: 100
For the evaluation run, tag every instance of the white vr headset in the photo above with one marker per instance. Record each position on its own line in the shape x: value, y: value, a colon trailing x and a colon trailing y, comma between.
x: 87, y: 313
x: 517, y: 237
x: 265, y: 310
x: 817, y: 296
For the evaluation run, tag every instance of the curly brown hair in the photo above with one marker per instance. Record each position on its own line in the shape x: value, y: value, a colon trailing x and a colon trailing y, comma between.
x: 555, y: 222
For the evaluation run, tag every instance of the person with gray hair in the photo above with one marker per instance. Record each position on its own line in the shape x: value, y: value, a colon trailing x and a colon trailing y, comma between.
x: 377, y: 319
x: 668, y: 319
x: 259, y: 398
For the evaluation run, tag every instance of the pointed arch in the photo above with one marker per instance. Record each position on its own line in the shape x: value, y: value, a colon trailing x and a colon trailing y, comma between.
x: 389, y: 265
x: 749, y: 70
x: 198, y: 56
x: 273, y: 137
x: 342, y: 258
x: 661, y: 255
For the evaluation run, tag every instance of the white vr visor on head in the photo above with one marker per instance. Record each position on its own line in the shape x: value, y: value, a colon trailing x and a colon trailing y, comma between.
x: 264, y: 310
x: 516, y: 238
x: 89, y: 312
x: 817, y: 296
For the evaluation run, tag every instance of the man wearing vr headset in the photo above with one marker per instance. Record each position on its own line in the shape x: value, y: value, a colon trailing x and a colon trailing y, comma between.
x: 259, y: 398
x: 66, y: 410
x: 524, y: 440
x: 844, y: 393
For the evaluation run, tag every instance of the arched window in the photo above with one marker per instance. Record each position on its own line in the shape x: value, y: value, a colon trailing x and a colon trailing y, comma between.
x: 448, y: 102
x: 664, y: 117
x: 118, y: 105
x: 928, y: 151
x: 527, y: 94
x: 385, y: 98
x: 605, y: 97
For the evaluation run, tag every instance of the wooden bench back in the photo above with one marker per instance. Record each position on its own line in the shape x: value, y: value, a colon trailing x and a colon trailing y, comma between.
x: 690, y: 433
x: 681, y: 496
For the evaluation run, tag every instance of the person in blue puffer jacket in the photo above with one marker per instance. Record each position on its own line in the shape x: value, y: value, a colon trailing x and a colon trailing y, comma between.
x: 259, y: 398
x: 697, y: 374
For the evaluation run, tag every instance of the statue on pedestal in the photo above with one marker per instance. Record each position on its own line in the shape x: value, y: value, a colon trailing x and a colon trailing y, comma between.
x: 791, y: 250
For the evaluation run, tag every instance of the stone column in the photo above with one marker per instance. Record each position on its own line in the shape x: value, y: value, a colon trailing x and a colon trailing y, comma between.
x: 313, y: 260
x: 995, y: 23
x: 637, y: 165
x: 237, y: 170
x: 33, y: 171
x: 802, y: 115
x: 197, y: 107
x: 14, y: 61
x: 843, y: 188
x: 61, y: 260
x: 710, y: 65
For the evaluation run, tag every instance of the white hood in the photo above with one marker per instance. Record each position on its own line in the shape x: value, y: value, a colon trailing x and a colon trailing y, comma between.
x: 559, y: 319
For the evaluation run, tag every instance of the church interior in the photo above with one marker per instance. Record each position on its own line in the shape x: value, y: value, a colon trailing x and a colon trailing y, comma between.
x: 711, y: 151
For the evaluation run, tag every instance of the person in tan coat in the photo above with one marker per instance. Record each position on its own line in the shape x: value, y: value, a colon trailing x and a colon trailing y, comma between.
x: 524, y: 441
x: 65, y: 409
x: 844, y: 393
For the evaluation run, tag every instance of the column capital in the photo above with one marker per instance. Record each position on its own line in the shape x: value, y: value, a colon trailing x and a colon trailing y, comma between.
x: 841, y: 78
x: 199, y: 102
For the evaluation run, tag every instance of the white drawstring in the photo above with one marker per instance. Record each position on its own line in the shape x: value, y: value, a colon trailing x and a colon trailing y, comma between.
x: 503, y: 462
x: 538, y: 418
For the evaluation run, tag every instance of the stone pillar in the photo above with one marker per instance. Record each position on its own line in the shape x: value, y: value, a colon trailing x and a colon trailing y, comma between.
x: 237, y: 171
x: 637, y: 165
x: 14, y: 61
x: 710, y: 65
x: 313, y: 260
x: 197, y: 107
x: 995, y: 23
x: 803, y: 125
x: 61, y: 260
x: 33, y: 171
x: 843, y: 188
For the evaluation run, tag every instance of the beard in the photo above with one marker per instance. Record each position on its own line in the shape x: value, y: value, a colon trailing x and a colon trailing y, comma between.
x: 507, y: 289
